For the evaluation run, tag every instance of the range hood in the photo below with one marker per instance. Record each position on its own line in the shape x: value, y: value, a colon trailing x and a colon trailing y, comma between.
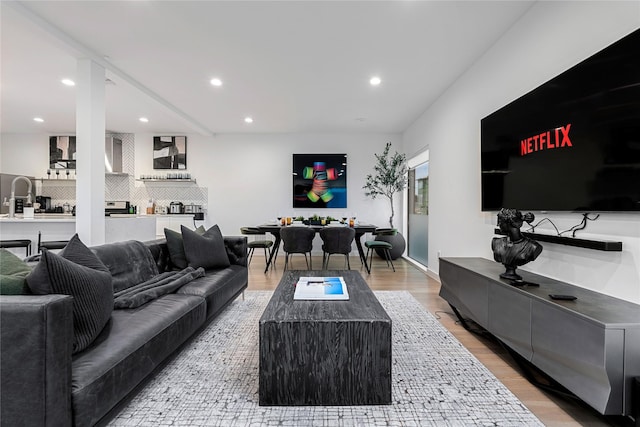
x: 112, y: 155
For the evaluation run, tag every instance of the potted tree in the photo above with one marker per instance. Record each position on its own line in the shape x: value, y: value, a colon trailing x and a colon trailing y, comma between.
x: 389, y: 178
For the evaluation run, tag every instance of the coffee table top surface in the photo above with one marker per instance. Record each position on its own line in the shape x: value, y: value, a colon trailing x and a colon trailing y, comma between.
x: 362, y: 303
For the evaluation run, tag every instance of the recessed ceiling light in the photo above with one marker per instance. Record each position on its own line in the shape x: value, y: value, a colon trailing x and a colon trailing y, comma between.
x: 68, y: 82
x: 38, y: 119
x: 216, y: 81
x: 144, y: 120
x: 375, y: 81
x: 248, y: 120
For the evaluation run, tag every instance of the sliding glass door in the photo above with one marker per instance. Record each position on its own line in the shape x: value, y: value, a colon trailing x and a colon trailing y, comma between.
x: 418, y: 210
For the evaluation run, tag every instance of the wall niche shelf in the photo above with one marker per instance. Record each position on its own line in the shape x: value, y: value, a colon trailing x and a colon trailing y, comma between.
x: 599, y: 245
x: 59, y: 183
x: 107, y: 174
x: 163, y: 181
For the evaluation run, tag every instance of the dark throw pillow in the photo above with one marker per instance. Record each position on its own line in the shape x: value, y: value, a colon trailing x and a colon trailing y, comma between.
x: 76, y: 252
x: 88, y: 283
x: 207, y: 251
x: 175, y: 244
x: 13, y: 272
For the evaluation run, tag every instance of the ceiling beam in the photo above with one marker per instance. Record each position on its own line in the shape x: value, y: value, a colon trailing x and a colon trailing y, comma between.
x: 79, y: 50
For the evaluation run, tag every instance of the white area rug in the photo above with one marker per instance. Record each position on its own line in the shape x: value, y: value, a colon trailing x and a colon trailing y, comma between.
x: 436, y: 381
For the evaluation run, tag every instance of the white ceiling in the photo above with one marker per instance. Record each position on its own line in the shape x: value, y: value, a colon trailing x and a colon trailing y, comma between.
x: 294, y: 66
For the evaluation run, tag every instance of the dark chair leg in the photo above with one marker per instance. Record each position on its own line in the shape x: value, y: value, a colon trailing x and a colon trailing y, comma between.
x: 266, y: 255
x: 308, y: 261
x: 387, y: 255
x: 348, y: 263
x: 274, y: 257
x: 370, y: 259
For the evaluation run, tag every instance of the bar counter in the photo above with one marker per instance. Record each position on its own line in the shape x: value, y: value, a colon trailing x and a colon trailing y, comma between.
x: 63, y: 227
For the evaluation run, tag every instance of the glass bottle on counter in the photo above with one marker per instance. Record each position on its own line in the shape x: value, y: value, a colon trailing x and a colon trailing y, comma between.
x: 150, y: 207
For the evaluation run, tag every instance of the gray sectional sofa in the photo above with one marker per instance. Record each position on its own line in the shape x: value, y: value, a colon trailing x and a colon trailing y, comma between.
x: 46, y: 382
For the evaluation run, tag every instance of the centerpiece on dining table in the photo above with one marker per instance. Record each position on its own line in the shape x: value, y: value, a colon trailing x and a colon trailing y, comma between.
x: 315, y: 220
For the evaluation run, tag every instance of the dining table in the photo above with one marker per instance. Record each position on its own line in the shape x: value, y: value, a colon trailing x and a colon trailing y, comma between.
x: 274, y: 229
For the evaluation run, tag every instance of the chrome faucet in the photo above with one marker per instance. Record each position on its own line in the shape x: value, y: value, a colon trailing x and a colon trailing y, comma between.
x: 12, y: 200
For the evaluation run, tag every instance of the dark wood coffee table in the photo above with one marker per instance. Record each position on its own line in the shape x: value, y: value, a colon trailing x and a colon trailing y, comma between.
x: 325, y: 352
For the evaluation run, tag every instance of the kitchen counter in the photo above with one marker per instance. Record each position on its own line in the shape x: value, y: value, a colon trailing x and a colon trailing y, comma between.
x: 118, y: 227
x: 4, y: 218
x: 63, y: 227
x: 49, y: 217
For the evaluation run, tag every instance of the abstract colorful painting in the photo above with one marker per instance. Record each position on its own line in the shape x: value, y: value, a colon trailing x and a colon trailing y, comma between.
x: 319, y: 180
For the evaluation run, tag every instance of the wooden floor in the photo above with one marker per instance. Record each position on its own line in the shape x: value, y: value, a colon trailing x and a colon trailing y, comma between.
x: 550, y: 408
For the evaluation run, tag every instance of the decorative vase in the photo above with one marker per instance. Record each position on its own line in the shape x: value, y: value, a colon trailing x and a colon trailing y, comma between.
x: 397, y: 241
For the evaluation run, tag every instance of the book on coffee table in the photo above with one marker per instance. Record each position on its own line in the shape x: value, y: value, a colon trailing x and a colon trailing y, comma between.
x: 321, y: 288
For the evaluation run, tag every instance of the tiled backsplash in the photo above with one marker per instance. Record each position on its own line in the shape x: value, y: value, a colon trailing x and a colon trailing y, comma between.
x: 122, y: 187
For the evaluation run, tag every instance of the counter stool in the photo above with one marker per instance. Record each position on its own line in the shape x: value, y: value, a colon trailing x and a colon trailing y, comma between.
x: 385, y: 247
x: 50, y: 244
x: 18, y: 243
x: 257, y: 244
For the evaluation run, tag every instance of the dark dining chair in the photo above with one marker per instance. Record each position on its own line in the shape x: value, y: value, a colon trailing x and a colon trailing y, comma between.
x: 297, y: 240
x: 257, y: 243
x: 50, y: 244
x: 381, y: 246
x: 336, y: 240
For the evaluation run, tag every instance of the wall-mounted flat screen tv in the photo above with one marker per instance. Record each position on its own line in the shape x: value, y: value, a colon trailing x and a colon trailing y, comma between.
x: 319, y: 180
x: 572, y: 144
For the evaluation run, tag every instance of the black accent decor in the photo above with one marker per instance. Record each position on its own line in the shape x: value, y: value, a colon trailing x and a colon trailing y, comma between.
x: 600, y: 245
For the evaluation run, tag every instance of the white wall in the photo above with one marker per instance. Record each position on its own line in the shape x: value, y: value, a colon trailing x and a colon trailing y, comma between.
x: 248, y: 175
x: 550, y: 38
x: 24, y: 154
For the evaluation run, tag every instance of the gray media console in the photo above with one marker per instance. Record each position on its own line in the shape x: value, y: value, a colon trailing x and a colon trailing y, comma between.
x: 590, y: 345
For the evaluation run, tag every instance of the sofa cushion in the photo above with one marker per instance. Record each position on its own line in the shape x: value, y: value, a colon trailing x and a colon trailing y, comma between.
x: 218, y: 287
x: 13, y: 272
x: 90, y: 288
x: 133, y: 344
x: 129, y: 263
x: 175, y: 245
x: 207, y: 251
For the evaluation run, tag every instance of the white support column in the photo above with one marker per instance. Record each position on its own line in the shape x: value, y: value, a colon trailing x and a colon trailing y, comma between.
x: 90, y: 133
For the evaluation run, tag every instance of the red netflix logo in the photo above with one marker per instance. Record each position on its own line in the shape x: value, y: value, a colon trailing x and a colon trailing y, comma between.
x: 554, y: 138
